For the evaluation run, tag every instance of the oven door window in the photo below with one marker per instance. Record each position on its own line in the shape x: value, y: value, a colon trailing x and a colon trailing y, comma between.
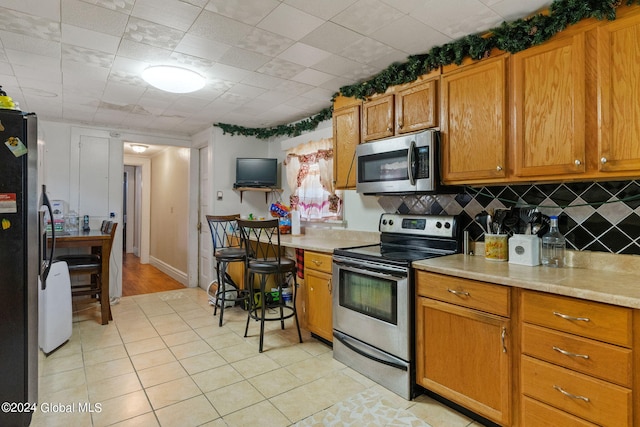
x: 387, y: 166
x: 372, y: 296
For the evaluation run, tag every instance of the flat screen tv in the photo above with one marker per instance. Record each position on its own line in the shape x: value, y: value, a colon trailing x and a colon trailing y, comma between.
x: 256, y: 172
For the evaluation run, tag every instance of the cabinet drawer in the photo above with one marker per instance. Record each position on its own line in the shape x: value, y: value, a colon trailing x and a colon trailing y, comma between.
x: 589, y: 319
x: 605, y: 361
x: 317, y: 261
x: 537, y: 414
x: 595, y: 400
x: 467, y: 293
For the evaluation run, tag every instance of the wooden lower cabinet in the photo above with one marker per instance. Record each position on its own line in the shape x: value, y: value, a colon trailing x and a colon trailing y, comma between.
x: 318, y: 294
x: 541, y: 415
x: 519, y: 357
x: 580, y: 395
x: 577, y: 363
x: 464, y: 354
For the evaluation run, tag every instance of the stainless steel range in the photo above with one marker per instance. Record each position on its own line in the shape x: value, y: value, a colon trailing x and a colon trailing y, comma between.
x: 374, y: 297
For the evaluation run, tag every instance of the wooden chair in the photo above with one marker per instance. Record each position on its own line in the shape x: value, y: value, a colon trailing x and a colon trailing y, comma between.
x: 90, y: 264
x: 265, y: 261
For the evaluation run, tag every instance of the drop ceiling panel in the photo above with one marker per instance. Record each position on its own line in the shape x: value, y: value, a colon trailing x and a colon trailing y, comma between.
x: 267, y: 62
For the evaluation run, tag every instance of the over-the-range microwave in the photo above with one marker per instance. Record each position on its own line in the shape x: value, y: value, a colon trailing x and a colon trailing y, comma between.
x: 405, y: 164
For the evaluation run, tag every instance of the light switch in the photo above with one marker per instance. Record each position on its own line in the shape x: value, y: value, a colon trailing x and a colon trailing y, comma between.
x: 219, y: 195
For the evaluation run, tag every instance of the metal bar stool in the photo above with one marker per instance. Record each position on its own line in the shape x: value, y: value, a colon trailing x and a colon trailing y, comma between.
x: 264, y: 259
x: 227, y: 247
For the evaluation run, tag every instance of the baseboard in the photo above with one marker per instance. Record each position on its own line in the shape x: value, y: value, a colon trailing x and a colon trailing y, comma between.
x: 173, y: 272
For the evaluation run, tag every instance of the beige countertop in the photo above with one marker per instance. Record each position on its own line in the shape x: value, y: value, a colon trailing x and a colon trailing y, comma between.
x: 321, y: 240
x: 613, y: 279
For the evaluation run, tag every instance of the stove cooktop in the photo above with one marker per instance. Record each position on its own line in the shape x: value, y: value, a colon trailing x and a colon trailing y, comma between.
x: 378, y: 253
x: 408, y: 238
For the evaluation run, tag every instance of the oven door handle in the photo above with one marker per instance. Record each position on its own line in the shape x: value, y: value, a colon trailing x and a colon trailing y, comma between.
x: 369, y: 352
x: 384, y: 274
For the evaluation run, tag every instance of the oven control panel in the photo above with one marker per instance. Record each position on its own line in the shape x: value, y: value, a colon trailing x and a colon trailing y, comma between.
x: 422, y: 225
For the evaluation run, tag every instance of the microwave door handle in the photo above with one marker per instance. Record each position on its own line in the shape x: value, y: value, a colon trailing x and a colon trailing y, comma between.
x: 411, y: 162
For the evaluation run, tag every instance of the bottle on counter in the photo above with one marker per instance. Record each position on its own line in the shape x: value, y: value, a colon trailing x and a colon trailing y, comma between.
x: 553, y: 246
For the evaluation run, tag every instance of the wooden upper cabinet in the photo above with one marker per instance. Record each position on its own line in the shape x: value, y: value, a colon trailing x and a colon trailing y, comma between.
x: 346, y: 137
x: 618, y: 95
x: 548, y: 108
x: 378, y: 117
x: 405, y: 108
x: 474, y: 122
x: 416, y: 107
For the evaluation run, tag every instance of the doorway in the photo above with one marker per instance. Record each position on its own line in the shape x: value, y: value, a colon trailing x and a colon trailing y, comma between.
x: 144, y: 271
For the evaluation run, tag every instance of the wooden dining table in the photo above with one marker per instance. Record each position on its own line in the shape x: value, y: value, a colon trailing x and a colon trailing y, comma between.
x: 98, y: 242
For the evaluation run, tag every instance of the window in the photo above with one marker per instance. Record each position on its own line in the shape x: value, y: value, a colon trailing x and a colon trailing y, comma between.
x: 309, y: 170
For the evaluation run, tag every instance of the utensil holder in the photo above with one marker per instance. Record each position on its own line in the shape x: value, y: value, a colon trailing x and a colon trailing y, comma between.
x: 496, y: 247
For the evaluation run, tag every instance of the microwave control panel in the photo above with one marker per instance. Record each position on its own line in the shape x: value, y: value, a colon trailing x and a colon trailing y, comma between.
x: 422, y: 161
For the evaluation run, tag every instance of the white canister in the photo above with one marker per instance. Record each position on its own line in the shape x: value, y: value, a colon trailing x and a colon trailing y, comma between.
x: 295, y: 222
x: 524, y: 249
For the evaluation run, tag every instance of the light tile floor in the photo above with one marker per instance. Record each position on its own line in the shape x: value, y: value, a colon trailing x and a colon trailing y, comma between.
x: 163, y: 361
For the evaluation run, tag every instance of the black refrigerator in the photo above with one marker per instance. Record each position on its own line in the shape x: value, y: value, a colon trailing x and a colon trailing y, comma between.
x: 20, y: 264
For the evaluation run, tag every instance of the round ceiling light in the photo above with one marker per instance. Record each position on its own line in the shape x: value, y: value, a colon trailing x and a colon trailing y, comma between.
x: 173, y: 79
x: 139, y: 148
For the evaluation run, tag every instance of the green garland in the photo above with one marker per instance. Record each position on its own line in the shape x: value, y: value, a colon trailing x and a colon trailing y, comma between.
x: 510, y: 37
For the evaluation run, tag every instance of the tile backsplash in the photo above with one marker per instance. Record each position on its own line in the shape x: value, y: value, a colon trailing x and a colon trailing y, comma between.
x: 593, y: 216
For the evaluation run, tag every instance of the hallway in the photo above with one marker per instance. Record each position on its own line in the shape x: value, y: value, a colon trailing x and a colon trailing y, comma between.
x: 138, y: 279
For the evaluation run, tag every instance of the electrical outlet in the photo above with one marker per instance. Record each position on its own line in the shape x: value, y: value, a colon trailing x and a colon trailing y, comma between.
x: 219, y: 195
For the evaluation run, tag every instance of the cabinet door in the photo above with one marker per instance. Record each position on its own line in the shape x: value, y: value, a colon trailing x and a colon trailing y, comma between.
x: 377, y: 118
x: 548, y: 111
x: 416, y: 107
x: 618, y: 87
x: 474, y: 122
x: 319, y: 310
x: 464, y: 356
x: 346, y: 137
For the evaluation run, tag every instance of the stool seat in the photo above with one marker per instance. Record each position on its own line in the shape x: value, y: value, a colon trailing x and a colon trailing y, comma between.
x: 272, y: 266
x: 230, y: 254
x: 81, y: 262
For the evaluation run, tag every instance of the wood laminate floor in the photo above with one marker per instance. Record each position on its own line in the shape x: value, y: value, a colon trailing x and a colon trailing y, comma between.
x: 138, y: 279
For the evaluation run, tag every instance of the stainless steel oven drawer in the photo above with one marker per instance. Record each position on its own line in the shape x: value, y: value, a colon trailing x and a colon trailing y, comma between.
x: 387, y: 370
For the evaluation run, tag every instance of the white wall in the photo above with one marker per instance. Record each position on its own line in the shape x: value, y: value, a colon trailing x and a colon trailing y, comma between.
x: 62, y: 170
x: 224, y: 151
x: 361, y: 213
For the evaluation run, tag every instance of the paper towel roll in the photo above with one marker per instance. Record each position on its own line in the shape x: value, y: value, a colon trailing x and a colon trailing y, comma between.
x: 295, y: 222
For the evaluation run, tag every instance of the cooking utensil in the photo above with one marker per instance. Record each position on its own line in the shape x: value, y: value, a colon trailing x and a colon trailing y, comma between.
x: 498, y: 220
x: 481, y: 219
x: 544, y: 225
x: 527, y: 216
x: 511, y: 221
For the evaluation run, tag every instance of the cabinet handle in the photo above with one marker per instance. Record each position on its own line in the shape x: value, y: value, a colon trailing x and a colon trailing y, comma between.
x: 400, y: 125
x: 572, y: 396
x: 498, y: 168
x: 390, y: 129
x: 567, y: 317
x: 568, y: 353
x: 603, y: 160
x: 330, y: 286
x: 316, y: 262
x: 503, y: 337
x: 577, y: 162
x: 459, y: 293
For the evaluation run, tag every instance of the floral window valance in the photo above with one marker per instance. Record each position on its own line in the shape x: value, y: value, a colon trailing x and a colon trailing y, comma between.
x: 309, y: 170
